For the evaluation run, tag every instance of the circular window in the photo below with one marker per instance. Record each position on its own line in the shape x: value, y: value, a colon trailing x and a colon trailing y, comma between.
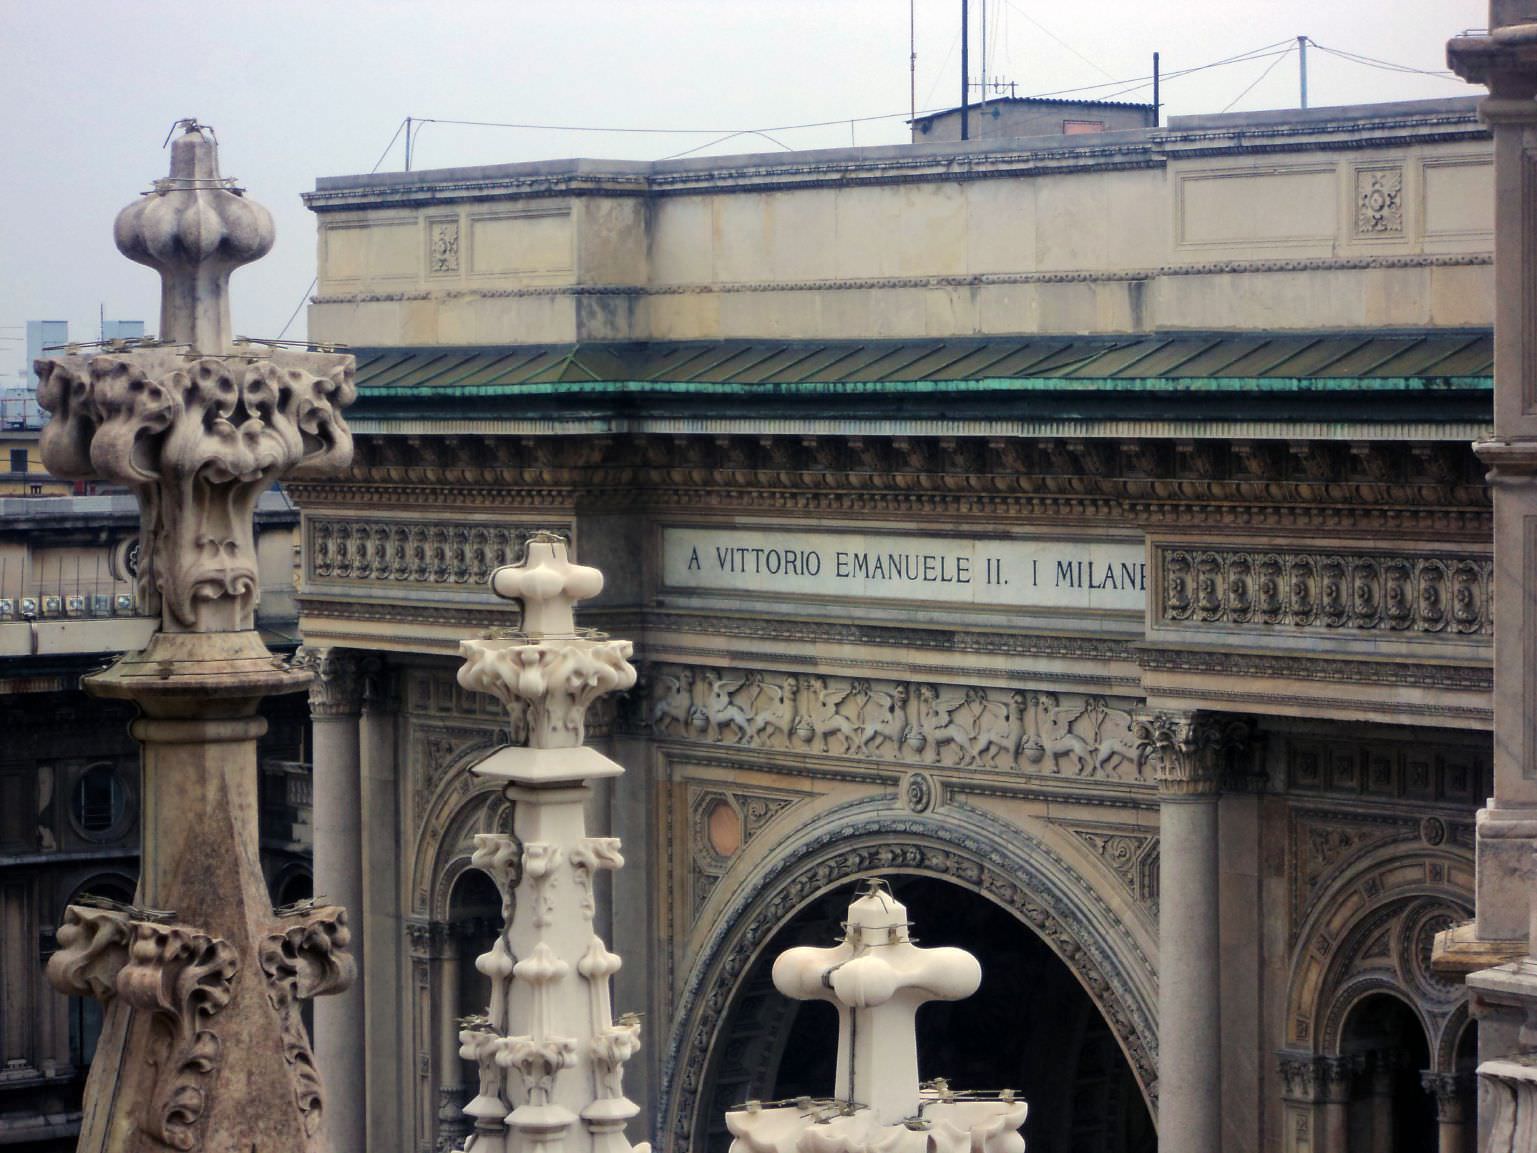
x: 100, y: 802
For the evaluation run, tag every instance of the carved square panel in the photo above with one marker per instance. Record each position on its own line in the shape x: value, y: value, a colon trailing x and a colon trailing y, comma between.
x: 1306, y: 768
x: 1344, y: 768
x: 1419, y: 776
x: 1381, y: 773
x: 1380, y: 202
x: 1460, y: 779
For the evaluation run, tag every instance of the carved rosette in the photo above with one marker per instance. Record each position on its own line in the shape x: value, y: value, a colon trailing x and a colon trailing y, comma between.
x: 1188, y: 751
x: 180, y: 977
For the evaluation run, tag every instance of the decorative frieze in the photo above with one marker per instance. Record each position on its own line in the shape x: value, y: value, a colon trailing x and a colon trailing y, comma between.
x: 1441, y: 594
x: 956, y: 726
x: 409, y: 552
x: 443, y: 244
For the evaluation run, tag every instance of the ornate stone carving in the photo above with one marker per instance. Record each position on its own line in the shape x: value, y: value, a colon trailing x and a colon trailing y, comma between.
x: 1131, y: 855
x: 408, y: 552
x: 559, y: 674
x: 337, y: 690
x: 1507, y: 1091
x: 198, y: 441
x: 853, y: 848
x: 941, y: 725
x: 305, y: 958
x: 444, y: 246
x: 1301, y: 1077
x: 177, y: 975
x: 541, y: 1023
x: 1377, y: 592
x: 1188, y: 751
x: 1379, y: 201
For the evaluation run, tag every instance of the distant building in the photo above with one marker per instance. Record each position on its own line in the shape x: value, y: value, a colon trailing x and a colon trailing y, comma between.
x: 43, y: 334
x: 1026, y: 116
x: 122, y: 330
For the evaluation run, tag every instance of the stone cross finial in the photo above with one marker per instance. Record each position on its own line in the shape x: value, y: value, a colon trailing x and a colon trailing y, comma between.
x: 194, y: 228
x: 549, y: 586
x: 877, y: 978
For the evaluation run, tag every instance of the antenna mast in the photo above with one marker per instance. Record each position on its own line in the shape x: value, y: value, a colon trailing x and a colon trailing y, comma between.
x: 965, y: 74
x: 984, y: 55
x: 912, y: 58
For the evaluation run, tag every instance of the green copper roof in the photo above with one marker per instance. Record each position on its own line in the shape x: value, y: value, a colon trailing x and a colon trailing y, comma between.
x: 1227, y: 363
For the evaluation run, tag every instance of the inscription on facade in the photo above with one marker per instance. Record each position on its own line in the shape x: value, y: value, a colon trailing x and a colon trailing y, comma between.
x: 1055, y: 574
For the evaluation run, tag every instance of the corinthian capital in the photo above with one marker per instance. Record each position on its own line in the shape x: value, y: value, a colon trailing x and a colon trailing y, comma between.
x: 337, y: 690
x: 1188, y: 750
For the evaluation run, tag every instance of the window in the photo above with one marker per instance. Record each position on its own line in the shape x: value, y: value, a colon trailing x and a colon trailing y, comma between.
x: 18, y: 460
x: 1079, y: 127
x: 99, y: 800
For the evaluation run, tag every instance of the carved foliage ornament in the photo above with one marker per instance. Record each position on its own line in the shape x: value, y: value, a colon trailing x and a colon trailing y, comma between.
x: 1380, y: 592
x: 179, y: 976
x: 1188, y: 750
x: 198, y: 439
x: 305, y: 957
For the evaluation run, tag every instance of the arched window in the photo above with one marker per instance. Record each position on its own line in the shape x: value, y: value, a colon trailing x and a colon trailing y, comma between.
x: 98, y: 805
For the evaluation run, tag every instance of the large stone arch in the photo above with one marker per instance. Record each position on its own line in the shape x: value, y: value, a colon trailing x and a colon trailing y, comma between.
x: 1020, y: 869
x: 446, y: 826
x: 1369, y: 932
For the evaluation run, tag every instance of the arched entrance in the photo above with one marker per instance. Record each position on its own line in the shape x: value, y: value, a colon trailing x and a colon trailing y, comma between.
x: 729, y: 1024
x: 1388, y: 1107
x: 1031, y: 1027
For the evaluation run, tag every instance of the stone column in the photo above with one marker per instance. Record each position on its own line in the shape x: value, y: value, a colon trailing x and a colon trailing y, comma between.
x: 1186, y: 751
x: 341, y: 1044
x: 1301, y: 1091
x: 381, y: 928
x: 1339, y: 1077
x: 1380, y: 1094
x: 1448, y: 1091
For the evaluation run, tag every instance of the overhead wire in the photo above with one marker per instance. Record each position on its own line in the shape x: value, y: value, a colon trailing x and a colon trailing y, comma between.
x: 1253, y: 83
x: 292, y: 316
x: 1062, y: 42
x: 1385, y: 65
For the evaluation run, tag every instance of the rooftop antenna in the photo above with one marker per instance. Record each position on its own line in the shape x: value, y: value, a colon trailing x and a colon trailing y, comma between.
x: 912, y: 58
x: 1156, y: 112
x: 1302, y: 66
x: 965, y: 73
x: 984, y: 54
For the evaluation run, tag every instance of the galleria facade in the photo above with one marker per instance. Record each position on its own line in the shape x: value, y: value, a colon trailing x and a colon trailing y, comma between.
x: 1082, y: 533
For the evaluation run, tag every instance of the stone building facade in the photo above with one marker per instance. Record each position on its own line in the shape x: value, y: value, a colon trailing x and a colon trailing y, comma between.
x: 1085, y: 536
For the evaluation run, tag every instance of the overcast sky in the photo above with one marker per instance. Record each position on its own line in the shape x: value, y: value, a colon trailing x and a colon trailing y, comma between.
x: 314, y: 88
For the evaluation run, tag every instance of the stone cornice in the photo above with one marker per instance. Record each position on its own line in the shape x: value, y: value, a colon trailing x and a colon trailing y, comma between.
x: 1420, y: 123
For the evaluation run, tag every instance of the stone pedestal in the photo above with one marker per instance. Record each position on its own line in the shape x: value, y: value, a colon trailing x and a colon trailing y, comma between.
x: 1504, y: 998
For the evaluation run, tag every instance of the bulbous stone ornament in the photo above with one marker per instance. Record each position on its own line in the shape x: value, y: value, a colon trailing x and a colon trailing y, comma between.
x: 196, y: 429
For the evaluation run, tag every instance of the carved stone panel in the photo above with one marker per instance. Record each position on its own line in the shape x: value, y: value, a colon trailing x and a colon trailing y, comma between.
x: 408, y: 552
x: 1446, y: 594
x: 954, y: 726
x: 1380, y: 201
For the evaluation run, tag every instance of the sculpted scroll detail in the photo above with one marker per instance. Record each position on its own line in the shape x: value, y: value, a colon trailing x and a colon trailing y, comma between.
x: 178, y: 975
x: 1441, y: 594
x: 305, y: 958
x: 952, y: 726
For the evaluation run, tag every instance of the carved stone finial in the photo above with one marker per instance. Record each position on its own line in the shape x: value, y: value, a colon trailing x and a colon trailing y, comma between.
x: 877, y: 978
x: 549, y: 586
x: 195, y: 228
x: 551, y: 668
